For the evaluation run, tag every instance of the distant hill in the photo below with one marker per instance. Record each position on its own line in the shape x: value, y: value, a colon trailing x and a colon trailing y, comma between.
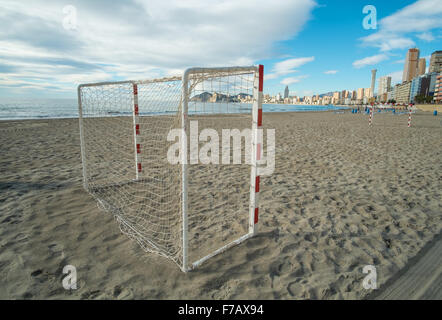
x: 203, y: 97
x: 328, y: 94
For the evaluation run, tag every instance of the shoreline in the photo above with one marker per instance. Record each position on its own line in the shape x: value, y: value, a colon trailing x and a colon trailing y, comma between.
x: 72, y: 113
x: 76, y: 118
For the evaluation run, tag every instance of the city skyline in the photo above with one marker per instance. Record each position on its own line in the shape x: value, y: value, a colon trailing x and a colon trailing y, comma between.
x: 417, y: 81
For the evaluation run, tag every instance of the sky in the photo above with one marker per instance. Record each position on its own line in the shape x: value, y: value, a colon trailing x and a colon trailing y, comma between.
x: 48, y: 47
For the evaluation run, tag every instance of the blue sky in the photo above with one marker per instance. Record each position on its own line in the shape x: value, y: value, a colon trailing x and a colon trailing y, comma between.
x: 335, y: 37
x: 47, y: 48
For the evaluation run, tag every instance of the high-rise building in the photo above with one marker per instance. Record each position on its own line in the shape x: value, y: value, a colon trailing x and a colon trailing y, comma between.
x: 373, y: 80
x: 391, y: 95
x: 360, y: 94
x: 436, y: 62
x: 368, y: 93
x: 286, y: 92
x: 384, y: 85
x: 418, y: 86
x: 411, y: 64
x: 438, y: 89
x: 433, y: 81
x: 345, y: 94
x: 421, y: 66
x: 402, y: 92
x: 423, y: 85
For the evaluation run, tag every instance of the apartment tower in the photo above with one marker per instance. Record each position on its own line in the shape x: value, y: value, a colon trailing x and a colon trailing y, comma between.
x: 421, y: 66
x: 436, y: 62
x: 411, y: 65
x: 373, y: 81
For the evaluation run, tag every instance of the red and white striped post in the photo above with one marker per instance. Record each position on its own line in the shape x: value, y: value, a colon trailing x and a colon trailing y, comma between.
x: 409, y: 116
x: 257, y: 150
x: 136, y: 124
x: 370, y: 118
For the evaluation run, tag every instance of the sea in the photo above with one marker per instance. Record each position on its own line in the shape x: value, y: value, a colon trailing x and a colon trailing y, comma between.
x: 16, y: 109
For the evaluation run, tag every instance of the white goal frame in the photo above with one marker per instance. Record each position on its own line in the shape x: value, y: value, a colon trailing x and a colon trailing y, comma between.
x: 256, y: 149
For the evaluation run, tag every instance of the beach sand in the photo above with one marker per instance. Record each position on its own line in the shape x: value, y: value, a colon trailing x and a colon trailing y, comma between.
x: 343, y: 195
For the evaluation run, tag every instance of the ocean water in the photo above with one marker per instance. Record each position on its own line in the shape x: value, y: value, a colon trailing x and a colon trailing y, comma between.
x: 14, y: 109
x: 11, y: 109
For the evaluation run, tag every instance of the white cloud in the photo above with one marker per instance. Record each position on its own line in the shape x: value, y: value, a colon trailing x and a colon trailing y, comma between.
x: 420, y: 16
x: 426, y: 36
x: 287, y: 67
x: 396, y: 43
x: 331, y: 72
x: 143, y: 38
x: 395, y: 76
x: 387, y: 41
x: 274, y: 75
x: 290, y: 80
x: 395, y: 30
x: 369, y: 60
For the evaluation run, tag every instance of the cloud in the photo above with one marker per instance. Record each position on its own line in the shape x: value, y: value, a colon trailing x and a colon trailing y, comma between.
x: 274, y: 75
x: 331, y: 72
x: 395, y: 30
x: 396, y: 77
x: 396, y: 43
x: 420, y: 16
x: 141, y: 38
x: 287, y: 67
x: 369, y: 60
x: 387, y: 41
x: 426, y: 36
x: 291, y: 80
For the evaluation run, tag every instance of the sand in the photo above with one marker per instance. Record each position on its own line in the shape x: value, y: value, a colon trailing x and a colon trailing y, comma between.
x: 342, y: 196
x: 420, y: 279
x: 430, y: 107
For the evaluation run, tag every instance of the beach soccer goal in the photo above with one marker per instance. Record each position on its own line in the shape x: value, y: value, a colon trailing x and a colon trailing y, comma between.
x: 175, y: 159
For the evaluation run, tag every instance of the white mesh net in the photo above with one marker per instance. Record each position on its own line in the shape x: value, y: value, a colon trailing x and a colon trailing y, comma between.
x: 127, y: 170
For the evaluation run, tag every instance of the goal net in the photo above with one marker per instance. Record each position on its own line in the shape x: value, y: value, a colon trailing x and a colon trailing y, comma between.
x: 187, y: 203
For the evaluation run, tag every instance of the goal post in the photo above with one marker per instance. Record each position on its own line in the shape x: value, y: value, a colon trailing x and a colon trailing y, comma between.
x: 136, y: 128
x: 192, y: 209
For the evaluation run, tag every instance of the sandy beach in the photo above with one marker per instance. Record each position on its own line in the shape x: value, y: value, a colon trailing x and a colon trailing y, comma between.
x: 343, y: 195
